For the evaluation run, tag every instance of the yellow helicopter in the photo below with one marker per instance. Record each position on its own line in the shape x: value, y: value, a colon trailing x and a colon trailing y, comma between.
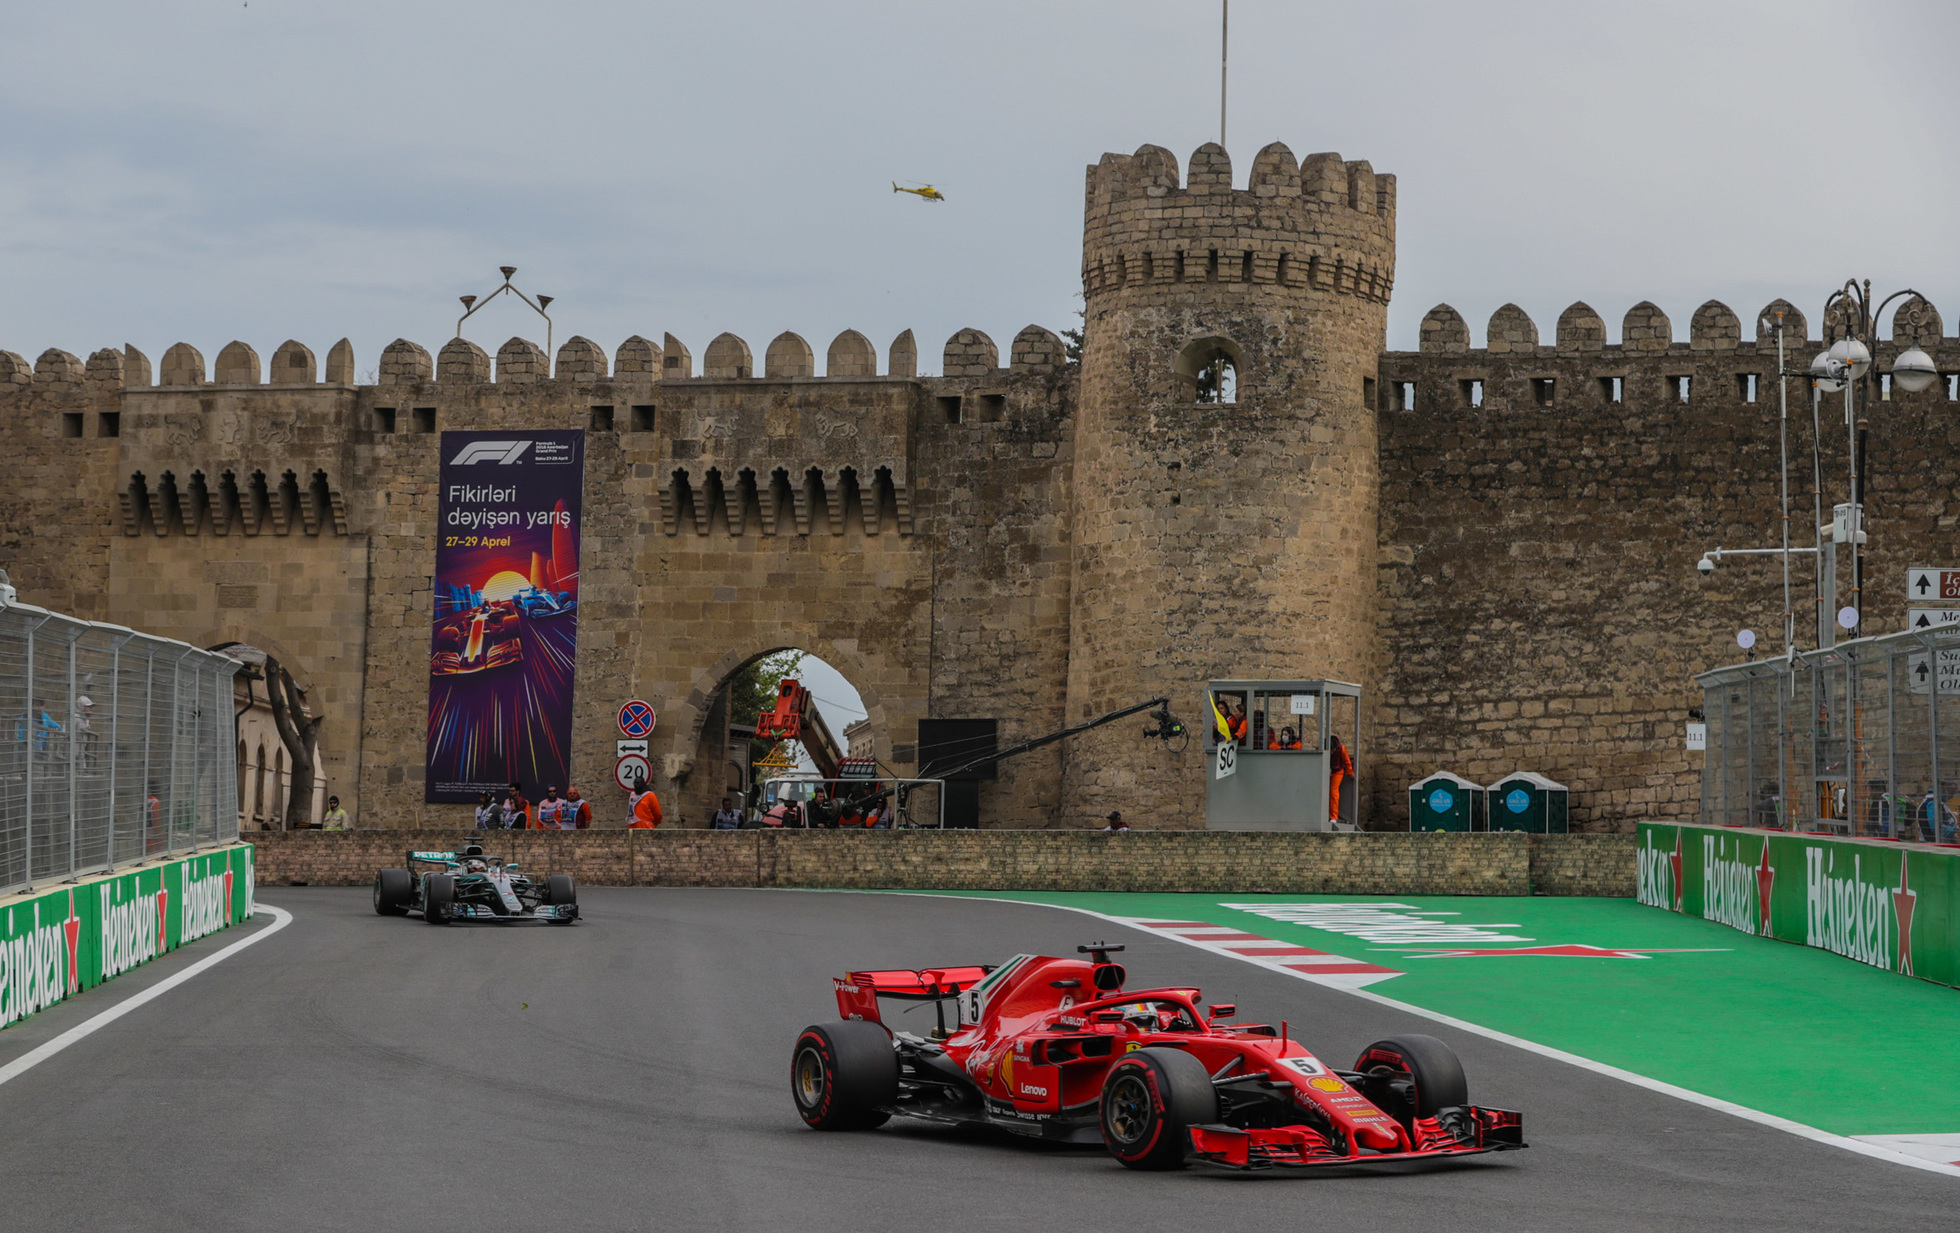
x: 924, y: 190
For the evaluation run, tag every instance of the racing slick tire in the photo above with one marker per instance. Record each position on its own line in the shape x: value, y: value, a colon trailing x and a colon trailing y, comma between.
x: 844, y: 1076
x: 1412, y: 1076
x: 393, y: 890
x: 1150, y: 1101
x: 559, y: 889
x: 438, y: 897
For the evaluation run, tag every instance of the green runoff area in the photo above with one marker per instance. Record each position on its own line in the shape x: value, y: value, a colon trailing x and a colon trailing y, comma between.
x: 1783, y: 1029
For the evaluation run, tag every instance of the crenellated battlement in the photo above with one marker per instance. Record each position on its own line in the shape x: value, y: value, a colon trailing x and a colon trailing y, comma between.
x: 1323, y: 225
x: 1720, y: 361
x: 850, y: 356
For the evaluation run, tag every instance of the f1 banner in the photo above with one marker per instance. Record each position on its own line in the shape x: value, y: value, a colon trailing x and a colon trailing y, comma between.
x: 1894, y: 906
x: 59, y: 943
x: 505, y: 639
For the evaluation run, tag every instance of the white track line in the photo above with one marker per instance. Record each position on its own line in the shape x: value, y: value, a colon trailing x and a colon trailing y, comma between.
x: 41, y: 1053
x: 1584, y: 1063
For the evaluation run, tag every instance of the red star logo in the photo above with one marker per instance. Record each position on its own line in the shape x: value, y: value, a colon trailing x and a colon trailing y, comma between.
x: 1765, y: 880
x: 1674, y: 862
x: 163, y: 919
x: 72, y: 930
x: 1904, y: 900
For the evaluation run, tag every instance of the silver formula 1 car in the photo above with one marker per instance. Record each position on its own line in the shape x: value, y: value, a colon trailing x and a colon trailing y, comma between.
x: 468, y: 885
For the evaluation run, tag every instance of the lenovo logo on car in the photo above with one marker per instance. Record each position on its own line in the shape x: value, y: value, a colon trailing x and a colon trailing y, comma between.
x: 504, y: 452
x: 1029, y: 1089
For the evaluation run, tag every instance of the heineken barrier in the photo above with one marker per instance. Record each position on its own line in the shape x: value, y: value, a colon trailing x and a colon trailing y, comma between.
x: 1892, y: 905
x: 60, y: 942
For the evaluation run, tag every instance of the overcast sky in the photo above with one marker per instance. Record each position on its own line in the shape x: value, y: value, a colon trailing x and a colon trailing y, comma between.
x: 208, y: 171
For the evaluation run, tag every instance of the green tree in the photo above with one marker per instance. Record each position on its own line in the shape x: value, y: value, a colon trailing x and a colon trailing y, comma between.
x: 752, y: 692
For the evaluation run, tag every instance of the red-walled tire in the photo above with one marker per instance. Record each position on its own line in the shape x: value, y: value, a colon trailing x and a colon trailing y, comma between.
x: 1150, y: 1101
x: 844, y: 1076
x: 1412, y: 1076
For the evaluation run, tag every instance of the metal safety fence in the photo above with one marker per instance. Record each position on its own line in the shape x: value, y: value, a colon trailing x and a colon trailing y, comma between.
x: 115, y: 747
x: 1862, y: 738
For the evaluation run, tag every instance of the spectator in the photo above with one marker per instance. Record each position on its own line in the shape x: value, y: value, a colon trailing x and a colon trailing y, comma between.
x: 1285, y: 740
x: 554, y: 812
x: 646, y: 811
x: 517, y: 810
x: 85, y: 732
x: 1116, y: 825
x: 45, y: 730
x: 727, y: 818
x: 581, y: 810
x: 335, y: 819
x: 152, y: 821
x: 878, y: 817
x: 487, y: 814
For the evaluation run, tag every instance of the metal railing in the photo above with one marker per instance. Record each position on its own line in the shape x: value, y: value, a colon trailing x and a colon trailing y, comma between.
x: 1862, y: 738
x: 115, y: 747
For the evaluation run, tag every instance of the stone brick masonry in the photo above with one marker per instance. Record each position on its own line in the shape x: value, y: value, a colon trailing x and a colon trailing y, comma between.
x: 1228, y: 863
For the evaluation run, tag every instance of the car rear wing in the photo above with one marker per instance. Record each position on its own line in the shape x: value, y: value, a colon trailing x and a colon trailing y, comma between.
x: 858, y: 992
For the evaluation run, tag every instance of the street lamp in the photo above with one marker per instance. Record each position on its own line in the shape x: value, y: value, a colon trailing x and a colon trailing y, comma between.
x: 471, y: 307
x: 1851, y: 323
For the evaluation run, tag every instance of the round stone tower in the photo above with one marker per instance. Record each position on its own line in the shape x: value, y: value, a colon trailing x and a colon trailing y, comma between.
x: 1226, y: 473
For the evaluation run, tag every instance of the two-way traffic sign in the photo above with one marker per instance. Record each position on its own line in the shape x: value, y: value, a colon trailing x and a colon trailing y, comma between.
x: 1932, y: 584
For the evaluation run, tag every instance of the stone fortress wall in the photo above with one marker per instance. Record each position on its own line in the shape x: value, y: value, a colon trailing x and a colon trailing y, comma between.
x: 1537, y: 570
x: 1019, y: 537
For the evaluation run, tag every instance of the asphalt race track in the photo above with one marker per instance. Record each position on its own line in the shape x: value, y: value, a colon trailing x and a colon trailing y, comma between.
x: 631, y: 1072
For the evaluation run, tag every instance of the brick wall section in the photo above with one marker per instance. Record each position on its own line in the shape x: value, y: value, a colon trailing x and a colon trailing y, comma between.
x: 1537, y: 575
x: 1174, y: 861
x: 1592, y: 864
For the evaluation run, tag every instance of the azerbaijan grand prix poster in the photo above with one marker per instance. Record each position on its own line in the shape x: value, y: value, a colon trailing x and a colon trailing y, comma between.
x: 505, y: 640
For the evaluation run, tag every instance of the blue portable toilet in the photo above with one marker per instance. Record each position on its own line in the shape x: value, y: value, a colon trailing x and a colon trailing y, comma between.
x: 1446, y: 802
x: 1528, y: 801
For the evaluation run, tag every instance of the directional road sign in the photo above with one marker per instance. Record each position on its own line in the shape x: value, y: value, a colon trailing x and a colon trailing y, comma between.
x: 1926, y: 618
x: 636, y: 719
x: 1932, y: 584
x: 1920, y: 674
x: 633, y: 768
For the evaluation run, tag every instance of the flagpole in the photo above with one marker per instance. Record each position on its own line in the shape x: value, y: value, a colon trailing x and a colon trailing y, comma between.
x: 1224, y: 44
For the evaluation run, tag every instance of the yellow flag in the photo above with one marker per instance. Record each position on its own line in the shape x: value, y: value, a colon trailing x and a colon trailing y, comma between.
x: 1218, y: 718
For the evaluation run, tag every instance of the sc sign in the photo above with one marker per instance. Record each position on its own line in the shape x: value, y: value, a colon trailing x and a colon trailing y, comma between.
x: 1227, y: 762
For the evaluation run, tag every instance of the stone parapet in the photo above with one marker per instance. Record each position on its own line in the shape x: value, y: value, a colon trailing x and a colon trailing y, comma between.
x: 1163, y: 861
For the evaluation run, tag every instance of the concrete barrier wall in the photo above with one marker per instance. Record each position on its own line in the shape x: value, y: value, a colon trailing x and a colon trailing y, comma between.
x: 1345, y: 864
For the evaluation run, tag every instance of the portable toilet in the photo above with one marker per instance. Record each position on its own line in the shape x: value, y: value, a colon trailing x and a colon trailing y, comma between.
x: 1446, y: 802
x: 1528, y: 801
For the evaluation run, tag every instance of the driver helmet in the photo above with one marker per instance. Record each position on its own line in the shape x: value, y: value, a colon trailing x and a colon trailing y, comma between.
x: 476, y: 866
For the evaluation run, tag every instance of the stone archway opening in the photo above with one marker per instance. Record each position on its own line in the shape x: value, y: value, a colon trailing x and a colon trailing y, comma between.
x: 1208, y: 370
x: 732, y: 761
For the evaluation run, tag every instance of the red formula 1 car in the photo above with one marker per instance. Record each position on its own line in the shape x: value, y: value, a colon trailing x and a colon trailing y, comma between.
x: 1057, y: 1049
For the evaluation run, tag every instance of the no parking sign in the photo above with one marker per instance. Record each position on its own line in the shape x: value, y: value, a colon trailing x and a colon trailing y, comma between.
x: 636, y: 719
